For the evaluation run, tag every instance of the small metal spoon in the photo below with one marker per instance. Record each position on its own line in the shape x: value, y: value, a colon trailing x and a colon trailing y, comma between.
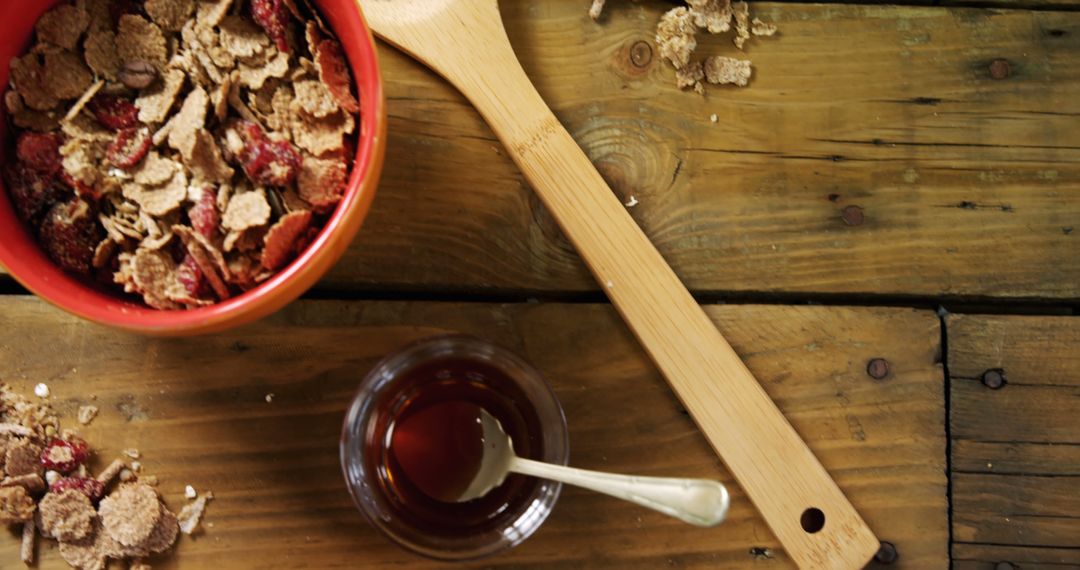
x: 699, y: 502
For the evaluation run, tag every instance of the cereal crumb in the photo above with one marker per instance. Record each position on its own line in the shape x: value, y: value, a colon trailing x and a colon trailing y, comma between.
x: 41, y: 390
x: 269, y: 397
x: 130, y: 514
x: 189, y: 492
x: 16, y: 505
x: 596, y: 9
x: 633, y: 201
x: 136, y: 466
x: 714, y: 118
x: 68, y: 515
x: 722, y: 70
x: 132, y: 453
x: 191, y: 514
x: 87, y: 413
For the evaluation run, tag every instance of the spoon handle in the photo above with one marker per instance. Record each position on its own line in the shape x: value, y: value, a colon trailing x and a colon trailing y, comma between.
x: 700, y: 502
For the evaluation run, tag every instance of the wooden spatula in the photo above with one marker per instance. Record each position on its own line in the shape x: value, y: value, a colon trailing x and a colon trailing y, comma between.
x: 465, y: 42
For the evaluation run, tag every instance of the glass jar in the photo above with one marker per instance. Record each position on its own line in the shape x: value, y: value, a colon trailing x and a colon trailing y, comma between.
x: 444, y: 368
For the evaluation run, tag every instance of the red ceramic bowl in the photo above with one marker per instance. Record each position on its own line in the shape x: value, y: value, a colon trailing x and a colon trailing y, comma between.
x: 20, y: 254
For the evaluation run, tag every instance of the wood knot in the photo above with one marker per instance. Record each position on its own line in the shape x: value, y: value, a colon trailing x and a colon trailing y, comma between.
x: 641, y: 54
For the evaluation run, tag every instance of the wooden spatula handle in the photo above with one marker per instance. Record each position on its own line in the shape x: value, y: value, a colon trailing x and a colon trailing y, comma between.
x: 771, y: 463
x: 466, y: 43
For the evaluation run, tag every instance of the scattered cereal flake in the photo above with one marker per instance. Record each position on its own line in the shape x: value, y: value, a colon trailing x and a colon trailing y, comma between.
x: 282, y: 237
x: 155, y: 103
x: 109, y: 473
x: 26, y: 548
x: 189, y: 492
x: 759, y: 28
x: 742, y: 23
x: 16, y: 505
x: 633, y: 201
x: 23, y: 458
x: 321, y: 181
x: 269, y: 399
x: 210, y: 13
x: 314, y: 98
x: 100, y: 54
x: 191, y: 513
x: 158, y: 201
x: 320, y: 136
x: 65, y: 75
x: 675, y: 36
x: 41, y: 390
x: 33, y: 482
x: 242, y: 38
x: 691, y: 76
x: 722, y: 70
x: 88, y: 413
x: 27, y: 75
x: 254, y: 77
x: 206, y: 162
x: 155, y: 170
x: 63, y: 26
x: 91, y: 552
x: 189, y: 120
x: 170, y: 15
x: 130, y: 513
x: 140, y: 40
x: 132, y: 453
x: 280, y: 118
x: 161, y: 539
x: 68, y: 515
x: 246, y: 210
x: 713, y: 15
x: 596, y: 9
x: 714, y: 118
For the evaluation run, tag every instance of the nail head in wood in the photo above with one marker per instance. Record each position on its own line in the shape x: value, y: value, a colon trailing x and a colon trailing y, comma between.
x: 994, y: 378
x: 999, y: 68
x: 853, y: 215
x: 886, y: 554
x: 877, y: 368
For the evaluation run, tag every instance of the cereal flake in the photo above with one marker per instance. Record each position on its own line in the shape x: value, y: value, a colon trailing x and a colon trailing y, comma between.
x: 63, y: 26
x: 140, y: 40
x: 68, y: 515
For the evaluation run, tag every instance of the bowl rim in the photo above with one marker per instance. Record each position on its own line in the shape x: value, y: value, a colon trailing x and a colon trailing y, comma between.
x: 287, y: 284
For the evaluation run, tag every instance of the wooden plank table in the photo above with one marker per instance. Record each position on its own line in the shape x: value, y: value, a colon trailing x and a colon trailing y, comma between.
x: 874, y: 160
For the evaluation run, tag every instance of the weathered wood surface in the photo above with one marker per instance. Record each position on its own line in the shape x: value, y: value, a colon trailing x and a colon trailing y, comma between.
x: 968, y: 184
x: 196, y: 409
x: 1015, y: 450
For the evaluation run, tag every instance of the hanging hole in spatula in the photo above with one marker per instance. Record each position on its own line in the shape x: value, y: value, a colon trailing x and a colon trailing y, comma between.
x: 812, y: 520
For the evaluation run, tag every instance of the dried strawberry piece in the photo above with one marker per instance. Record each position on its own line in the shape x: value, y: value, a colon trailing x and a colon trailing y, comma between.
x: 192, y: 278
x: 82, y: 189
x: 32, y: 193
x: 69, y: 234
x: 335, y: 75
x: 204, y: 215
x: 64, y: 455
x: 272, y: 15
x: 114, y: 112
x: 92, y: 488
x: 41, y: 152
x: 267, y: 162
x: 130, y: 147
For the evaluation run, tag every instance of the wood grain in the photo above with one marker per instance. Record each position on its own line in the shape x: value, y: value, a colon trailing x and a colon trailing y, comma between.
x: 967, y: 184
x: 1016, y: 450
x: 196, y: 409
